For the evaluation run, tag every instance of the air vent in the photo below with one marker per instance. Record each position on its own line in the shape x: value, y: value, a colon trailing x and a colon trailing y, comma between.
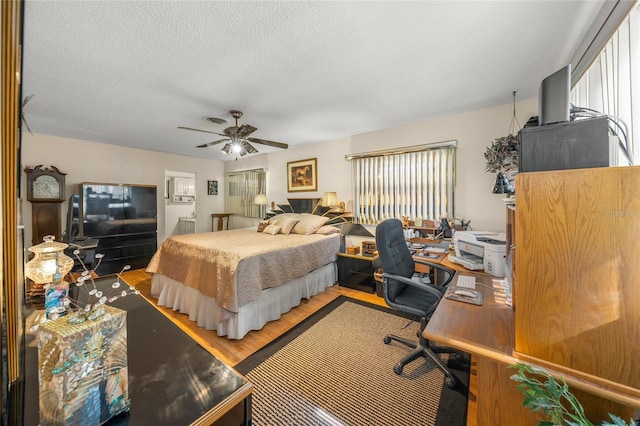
x: 214, y: 120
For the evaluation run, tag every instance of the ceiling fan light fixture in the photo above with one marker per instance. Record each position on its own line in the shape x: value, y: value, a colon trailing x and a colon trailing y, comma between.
x: 226, y: 149
x: 236, y: 147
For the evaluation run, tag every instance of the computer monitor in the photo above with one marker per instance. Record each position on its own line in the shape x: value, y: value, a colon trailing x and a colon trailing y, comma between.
x: 554, y: 97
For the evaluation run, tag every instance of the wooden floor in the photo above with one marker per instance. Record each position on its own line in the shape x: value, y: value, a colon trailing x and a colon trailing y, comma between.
x: 232, y: 351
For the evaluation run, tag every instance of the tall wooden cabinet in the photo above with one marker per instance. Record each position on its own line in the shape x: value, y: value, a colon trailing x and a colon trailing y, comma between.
x: 577, y: 292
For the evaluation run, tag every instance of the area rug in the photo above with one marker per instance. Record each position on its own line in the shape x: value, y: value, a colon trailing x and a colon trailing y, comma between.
x: 334, y: 369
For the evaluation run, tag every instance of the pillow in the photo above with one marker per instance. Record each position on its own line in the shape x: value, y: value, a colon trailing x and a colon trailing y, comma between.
x: 327, y: 229
x: 263, y: 224
x: 309, y: 223
x: 271, y: 229
x: 285, y: 223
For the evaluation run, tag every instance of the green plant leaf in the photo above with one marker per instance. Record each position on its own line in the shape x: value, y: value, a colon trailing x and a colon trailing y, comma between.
x: 553, y: 398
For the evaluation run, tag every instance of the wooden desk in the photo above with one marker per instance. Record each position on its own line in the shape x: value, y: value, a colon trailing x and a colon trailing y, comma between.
x: 488, y: 333
x: 222, y: 219
x: 442, y: 259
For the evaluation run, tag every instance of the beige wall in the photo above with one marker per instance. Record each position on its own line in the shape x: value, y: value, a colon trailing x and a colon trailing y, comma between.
x: 85, y: 161
x: 474, y: 131
x: 93, y: 162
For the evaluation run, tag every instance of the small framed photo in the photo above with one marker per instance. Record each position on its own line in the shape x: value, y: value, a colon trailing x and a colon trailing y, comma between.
x: 302, y: 175
x: 212, y: 187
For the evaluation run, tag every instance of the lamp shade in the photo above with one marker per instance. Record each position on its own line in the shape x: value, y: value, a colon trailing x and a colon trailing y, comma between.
x: 330, y: 199
x: 503, y: 185
x: 49, y: 259
x: 261, y: 200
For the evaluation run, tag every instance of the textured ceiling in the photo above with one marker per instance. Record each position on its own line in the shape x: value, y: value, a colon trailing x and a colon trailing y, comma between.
x: 130, y: 72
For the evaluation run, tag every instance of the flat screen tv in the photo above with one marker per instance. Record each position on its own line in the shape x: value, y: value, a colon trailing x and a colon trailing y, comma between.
x: 554, y: 97
x: 117, y: 209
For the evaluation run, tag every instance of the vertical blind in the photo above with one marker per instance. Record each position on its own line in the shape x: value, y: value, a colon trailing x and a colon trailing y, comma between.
x: 419, y: 183
x: 611, y: 85
x: 242, y: 188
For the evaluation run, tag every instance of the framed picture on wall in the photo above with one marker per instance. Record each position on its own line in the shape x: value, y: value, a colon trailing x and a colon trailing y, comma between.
x: 212, y: 187
x: 302, y: 175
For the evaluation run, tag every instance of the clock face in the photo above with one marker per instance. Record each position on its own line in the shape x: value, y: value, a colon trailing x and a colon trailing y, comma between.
x: 46, y: 187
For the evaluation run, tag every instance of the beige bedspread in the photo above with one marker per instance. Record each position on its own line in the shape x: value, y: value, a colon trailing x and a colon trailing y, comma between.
x: 235, y: 266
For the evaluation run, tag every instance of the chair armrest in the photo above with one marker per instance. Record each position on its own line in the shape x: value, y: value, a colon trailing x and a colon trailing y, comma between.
x: 430, y: 288
x: 443, y: 268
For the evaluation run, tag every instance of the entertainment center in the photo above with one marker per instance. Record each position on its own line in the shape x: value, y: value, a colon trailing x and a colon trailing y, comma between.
x: 118, y: 221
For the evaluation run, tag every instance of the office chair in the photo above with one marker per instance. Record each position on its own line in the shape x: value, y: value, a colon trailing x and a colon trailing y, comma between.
x: 412, y: 297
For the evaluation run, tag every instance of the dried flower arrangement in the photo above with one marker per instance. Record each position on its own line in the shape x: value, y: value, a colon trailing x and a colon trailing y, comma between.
x: 80, y: 311
x: 96, y: 298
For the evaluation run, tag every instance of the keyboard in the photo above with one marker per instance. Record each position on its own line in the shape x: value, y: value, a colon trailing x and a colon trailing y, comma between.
x: 466, y: 281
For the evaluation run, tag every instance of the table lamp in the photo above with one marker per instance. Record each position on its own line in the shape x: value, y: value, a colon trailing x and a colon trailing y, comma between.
x: 260, y: 201
x: 49, y: 266
x: 330, y: 199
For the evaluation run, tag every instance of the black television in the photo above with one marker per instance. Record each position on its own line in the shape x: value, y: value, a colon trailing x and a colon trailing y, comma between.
x: 117, y: 209
x: 554, y: 97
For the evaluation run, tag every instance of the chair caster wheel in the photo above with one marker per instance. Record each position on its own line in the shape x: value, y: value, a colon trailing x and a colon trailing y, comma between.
x: 397, y: 369
x: 461, y: 359
x: 451, y: 383
x: 387, y: 340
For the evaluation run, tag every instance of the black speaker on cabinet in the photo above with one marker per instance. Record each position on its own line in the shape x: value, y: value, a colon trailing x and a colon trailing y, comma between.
x: 570, y: 145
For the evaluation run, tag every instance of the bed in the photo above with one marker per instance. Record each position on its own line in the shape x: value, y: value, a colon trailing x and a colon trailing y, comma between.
x: 238, y: 280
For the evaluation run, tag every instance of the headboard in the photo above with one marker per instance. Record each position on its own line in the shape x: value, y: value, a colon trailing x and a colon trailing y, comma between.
x: 310, y: 205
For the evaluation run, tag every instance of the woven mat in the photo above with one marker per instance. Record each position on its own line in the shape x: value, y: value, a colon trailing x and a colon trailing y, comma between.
x: 334, y: 369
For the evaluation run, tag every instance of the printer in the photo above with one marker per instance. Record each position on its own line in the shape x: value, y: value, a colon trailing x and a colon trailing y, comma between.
x: 478, y: 250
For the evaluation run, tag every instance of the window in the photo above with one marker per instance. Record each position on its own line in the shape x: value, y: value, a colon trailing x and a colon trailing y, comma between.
x: 415, y: 182
x: 242, y: 188
x: 611, y: 85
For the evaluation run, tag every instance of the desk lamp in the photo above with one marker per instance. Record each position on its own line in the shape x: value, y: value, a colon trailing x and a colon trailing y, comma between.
x: 503, y: 185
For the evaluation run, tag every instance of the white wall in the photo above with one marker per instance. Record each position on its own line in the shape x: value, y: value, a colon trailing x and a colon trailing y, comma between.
x: 474, y: 131
x: 85, y: 161
x: 174, y: 211
x: 93, y: 162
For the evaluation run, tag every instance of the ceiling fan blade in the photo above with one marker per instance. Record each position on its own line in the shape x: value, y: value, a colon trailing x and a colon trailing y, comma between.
x: 199, y: 130
x: 231, y: 132
x: 26, y: 100
x: 269, y: 143
x: 248, y: 147
x: 245, y: 130
x: 204, y: 145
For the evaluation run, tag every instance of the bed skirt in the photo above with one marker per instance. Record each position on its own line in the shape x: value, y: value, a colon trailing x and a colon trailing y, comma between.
x: 271, y: 304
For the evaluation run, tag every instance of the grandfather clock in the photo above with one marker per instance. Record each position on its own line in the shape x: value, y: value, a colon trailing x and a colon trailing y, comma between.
x: 45, y: 191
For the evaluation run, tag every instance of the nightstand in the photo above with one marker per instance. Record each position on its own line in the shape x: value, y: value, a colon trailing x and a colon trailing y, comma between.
x: 356, y: 271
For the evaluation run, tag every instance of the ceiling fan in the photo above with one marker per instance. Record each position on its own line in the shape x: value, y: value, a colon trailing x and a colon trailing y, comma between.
x: 236, y: 138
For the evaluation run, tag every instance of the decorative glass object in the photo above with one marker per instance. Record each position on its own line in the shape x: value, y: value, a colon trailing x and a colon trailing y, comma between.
x: 82, y: 357
x: 82, y: 369
x: 48, y: 259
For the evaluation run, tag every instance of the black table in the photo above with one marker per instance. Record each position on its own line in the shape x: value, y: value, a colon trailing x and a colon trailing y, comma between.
x: 172, y: 379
